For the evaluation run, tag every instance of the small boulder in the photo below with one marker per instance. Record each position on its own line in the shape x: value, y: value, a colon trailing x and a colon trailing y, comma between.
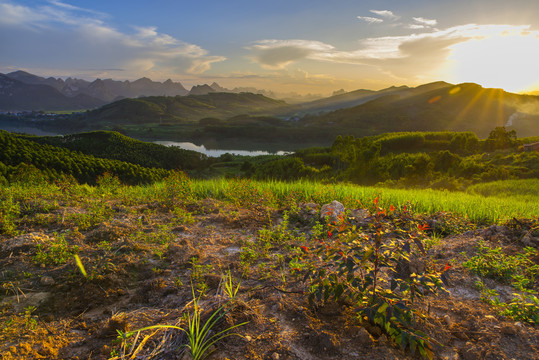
x: 334, y: 211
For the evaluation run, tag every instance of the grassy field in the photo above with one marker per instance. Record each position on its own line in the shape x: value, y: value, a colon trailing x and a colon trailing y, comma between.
x: 479, y: 206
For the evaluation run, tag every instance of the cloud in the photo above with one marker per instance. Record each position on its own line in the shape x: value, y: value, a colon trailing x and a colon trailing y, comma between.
x: 386, y: 14
x: 425, y: 22
x: 370, y: 20
x: 58, y: 35
x: 400, y: 56
x: 277, y: 54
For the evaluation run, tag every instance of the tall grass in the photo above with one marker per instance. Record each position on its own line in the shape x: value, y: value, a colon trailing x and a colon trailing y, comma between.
x: 523, y: 188
x: 491, y: 202
x: 473, y: 206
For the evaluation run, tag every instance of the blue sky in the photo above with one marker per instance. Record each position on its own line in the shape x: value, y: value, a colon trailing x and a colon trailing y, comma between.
x: 293, y: 45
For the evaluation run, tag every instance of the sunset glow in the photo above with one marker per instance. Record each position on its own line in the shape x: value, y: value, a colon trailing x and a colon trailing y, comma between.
x: 300, y: 46
x: 504, y: 59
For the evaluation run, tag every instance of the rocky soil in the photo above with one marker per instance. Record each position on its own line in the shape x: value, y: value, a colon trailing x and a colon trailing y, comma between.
x: 142, y: 260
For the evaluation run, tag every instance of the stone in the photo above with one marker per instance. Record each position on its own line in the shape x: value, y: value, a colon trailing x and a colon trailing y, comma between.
x: 47, y: 280
x: 364, y: 338
x: 334, y: 211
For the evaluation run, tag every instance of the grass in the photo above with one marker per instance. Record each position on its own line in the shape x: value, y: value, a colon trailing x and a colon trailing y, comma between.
x: 472, y: 206
x: 201, y: 335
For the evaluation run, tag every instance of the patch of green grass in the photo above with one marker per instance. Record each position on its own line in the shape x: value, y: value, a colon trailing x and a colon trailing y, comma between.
x: 519, y: 270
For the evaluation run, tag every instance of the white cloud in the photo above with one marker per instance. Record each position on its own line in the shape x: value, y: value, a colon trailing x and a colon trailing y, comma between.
x: 61, y: 35
x: 425, y: 22
x: 386, y: 14
x: 402, y: 56
x: 370, y: 20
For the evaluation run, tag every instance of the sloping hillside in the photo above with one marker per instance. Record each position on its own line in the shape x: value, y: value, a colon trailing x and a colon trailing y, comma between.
x: 192, y: 107
x: 464, y: 107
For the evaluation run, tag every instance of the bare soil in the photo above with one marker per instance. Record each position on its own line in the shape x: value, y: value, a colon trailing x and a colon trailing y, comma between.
x: 134, y: 283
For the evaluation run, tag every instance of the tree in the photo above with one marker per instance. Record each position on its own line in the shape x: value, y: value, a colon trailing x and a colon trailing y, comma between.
x: 500, y: 138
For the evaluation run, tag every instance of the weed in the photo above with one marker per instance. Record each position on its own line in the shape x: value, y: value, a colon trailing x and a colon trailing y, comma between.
x: 524, y: 306
x: 230, y: 289
x: 201, y: 336
x: 9, y: 212
x: 56, y: 253
x: 30, y: 321
x: 198, y: 272
x: 494, y: 263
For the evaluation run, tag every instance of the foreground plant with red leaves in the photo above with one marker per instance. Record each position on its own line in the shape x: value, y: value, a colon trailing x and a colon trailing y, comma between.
x: 367, y: 268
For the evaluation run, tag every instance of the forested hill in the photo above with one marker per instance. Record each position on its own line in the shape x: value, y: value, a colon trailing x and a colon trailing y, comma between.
x: 18, y: 154
x: 192, y: 107
x: 464, y: 107
x: 115, y: 146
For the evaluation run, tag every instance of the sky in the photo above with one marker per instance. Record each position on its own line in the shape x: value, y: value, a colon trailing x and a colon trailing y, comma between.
x: 302, y: 46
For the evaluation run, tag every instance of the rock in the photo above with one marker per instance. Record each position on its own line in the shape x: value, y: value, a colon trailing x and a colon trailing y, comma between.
x: 333, y: 211
x: 364, y: 338
x: 359, y: 216
x: 47, y: 281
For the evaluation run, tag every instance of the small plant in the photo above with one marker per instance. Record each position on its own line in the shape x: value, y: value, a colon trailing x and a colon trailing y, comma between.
x: 57, y: 253
x: 360, y: 267
x: 200, y: 335
x: 30, y: 321
x: 230, y: 289
x: 494, y: 263
x: 524, y: 306
x: 198, y: 272
x: 9, y: 212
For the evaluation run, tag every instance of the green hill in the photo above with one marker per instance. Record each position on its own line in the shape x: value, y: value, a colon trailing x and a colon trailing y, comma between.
x: 464, y: 107
x: 17, y: 154
x: 115, y: 146
x: 192, y: 108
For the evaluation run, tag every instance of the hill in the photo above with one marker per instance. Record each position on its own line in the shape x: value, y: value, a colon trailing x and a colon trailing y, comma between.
x: 192, y: 107
x: 16, y: 95
x: 115, y: 146
x: 464, y: 107
x: 18, y: 154
x: 358, y: 97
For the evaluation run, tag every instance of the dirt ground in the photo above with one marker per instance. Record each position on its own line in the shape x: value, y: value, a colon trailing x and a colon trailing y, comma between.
x: 51, y: 311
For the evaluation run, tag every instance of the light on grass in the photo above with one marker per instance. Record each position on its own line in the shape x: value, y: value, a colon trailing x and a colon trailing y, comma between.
x: 80, y: 265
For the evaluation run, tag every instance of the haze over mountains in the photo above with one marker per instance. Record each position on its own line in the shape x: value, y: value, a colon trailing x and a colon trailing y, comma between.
x: 436, y: 106
x: 76, y: 94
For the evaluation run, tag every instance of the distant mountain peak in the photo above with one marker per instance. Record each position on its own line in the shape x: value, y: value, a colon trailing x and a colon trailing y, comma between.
x: 201, y: 90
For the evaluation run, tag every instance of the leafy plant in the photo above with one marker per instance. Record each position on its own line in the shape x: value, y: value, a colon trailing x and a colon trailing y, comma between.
x: 524, y: 306
x: 361, y: 268
x: 494, y: 263
x: 56, y: 253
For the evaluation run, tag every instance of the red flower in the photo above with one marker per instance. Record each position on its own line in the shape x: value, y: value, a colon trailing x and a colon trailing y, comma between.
x: 305, y: 249
x: 391, y: 208
x: 329, y: 234
x: 376, y: 201
x: 423, y: 227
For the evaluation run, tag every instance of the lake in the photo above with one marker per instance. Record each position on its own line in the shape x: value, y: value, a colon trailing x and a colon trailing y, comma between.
x: 217, y: 153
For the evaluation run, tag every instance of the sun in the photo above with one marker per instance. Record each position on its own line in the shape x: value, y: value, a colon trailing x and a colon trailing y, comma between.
x: 506, y: 60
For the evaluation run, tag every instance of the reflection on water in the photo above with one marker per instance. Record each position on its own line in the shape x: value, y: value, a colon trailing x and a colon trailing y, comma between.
x: 26, y: 129
x: 217, y: 153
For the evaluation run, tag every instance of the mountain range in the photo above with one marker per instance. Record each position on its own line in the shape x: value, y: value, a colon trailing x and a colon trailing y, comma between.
x: 76, y: 94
